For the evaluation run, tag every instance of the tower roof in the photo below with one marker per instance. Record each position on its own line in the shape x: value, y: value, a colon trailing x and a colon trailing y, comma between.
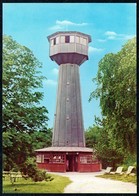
x: 69, y: 32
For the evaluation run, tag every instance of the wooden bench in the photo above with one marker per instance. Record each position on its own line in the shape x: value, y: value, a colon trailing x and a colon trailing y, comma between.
x: 14, y: 176
x: 5, y: 174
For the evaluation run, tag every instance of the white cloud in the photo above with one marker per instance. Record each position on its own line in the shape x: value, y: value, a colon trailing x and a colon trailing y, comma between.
x: 56, y: 27
x: 126, y: 37
x: 101, y: 40
x: 111, y: 35
x: 55, y: 71
x: 67, y: 22
x: 64, y: 24
x: 92, y: 49
x: 50, y: 82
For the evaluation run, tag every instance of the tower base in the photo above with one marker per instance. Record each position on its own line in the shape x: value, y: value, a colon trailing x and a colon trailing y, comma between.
x: 67, y: 159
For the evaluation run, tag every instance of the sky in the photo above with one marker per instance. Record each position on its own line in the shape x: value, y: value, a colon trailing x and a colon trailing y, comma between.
x: 110, y: 25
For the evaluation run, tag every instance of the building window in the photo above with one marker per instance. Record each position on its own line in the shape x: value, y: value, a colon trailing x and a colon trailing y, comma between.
x: 67, y: 39
x: 83, y: 160
x: 89, y: 159
x: 72, y: 39
x: 54, y: 41
x: 46, y: 158
x: 62, y: 39
x: 77, y: 39
x: 38, y: 159
x: 86, y: 159
x: 81, y: 40
x: 57, y: 40
x: 58, y: 159
x: 84, y: 41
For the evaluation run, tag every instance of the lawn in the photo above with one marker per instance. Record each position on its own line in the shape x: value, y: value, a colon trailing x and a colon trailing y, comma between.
x: 123, y: 178
x: 28, y: 186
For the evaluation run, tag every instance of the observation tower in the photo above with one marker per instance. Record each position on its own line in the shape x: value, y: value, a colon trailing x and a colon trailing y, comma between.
x: 69, y: 49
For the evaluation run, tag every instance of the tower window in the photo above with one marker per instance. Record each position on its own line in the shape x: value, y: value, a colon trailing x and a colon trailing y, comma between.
x: 84, y: 41
x: 54, y: 41
x: 67, y: 39
x: 72, y: 39
x: 57, y: 40
x: 62, y: 39
x: 81, y: 40
x: 77, y: 39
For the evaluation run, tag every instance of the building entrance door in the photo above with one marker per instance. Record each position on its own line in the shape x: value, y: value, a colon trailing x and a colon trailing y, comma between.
x: 71, y: 163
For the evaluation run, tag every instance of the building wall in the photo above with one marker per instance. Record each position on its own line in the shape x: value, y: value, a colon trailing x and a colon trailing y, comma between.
x: 79, y: 162
x: 94, y: 167
x: 51, y: 167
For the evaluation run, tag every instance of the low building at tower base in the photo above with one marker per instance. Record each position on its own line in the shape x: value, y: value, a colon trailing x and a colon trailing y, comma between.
x: 67, y: 159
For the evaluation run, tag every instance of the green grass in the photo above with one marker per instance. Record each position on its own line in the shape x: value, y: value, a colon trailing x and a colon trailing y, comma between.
x: 123, y: 177
x: 28, y: 186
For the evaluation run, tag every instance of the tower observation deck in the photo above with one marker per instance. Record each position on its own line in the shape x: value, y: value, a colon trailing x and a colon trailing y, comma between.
x: 69, y: 49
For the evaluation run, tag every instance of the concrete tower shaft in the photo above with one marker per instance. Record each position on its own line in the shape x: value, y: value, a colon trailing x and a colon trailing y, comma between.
x: 68, y: 128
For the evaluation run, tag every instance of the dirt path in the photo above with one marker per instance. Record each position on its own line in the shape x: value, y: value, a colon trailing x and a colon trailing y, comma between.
x: 88, y: 183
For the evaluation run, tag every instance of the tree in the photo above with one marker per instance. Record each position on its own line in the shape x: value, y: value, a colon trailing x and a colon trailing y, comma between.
x: 20, y: 80
x: 99, y: 138
x: 91, y: 136
x: 116, y: 88
x: 22, y: 114
x: 41, y: 139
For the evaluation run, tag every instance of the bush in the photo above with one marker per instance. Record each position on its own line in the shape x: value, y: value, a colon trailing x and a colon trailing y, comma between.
x: 30, y: 169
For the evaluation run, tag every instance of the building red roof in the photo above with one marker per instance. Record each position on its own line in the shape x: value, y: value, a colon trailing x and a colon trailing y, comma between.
x: 65, y: 149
